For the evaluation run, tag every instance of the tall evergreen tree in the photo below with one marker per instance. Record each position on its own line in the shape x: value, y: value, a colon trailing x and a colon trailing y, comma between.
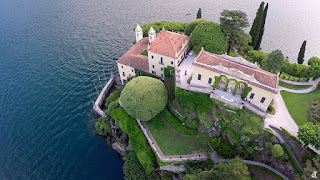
x: 256, y: 26
x: 301, y: 52
x: 199, y: 14
x: 265, y: 11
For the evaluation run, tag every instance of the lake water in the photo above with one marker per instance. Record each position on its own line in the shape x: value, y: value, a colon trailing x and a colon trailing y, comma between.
x: 52, y: 51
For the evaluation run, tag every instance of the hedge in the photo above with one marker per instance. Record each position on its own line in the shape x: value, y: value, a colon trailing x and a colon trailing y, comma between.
x: 158, y: 25
x: 292, y: 160
x: 290, y: 135
x: 265, y: 170
x: 191, y: 25
x: 176, y: 124
x: 137, y: 139
x: 112, y: 97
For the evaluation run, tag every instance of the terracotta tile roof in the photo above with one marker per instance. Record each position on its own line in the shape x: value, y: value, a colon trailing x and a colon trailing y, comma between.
x: 209, y: 60
x: 133, y: 57
x: 168, y: 43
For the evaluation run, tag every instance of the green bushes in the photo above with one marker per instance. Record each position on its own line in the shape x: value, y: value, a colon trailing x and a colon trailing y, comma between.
x: 132, y: 168
x: 158, y: 25
x: 271, y: 110
x: 189, y: 80
x: 209, y: 36
x: 306, y: 157
x: 277, y: 151
x: 222, y: 147
x: 192, y: 100
x: 292, y: 160
x: 177, y: 125
x: 257, y: 56
x: 191, y: 25
x: 265, y: 170
x: 103, y: 126
x: 136, y: 137
x: 112, y: 97
x: 144, y: 97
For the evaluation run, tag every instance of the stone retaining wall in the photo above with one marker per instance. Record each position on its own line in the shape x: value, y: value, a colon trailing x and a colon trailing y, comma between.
x: 234, y: 104
x: 254, y: 109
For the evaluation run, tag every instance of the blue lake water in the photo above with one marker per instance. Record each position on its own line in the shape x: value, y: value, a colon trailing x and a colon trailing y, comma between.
x: 52, y: 51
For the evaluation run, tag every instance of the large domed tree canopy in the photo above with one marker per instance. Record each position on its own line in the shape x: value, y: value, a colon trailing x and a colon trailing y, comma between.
x: 144, y: 97
x: 190, y: 27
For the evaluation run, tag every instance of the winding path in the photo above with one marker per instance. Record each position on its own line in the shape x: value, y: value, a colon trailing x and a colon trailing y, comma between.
x: 282, y: 118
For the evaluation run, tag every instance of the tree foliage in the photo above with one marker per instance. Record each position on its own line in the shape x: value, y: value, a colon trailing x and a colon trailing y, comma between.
x: 301, y: 52
x: 158, y: 25
x: 265, y: 11
x: 209, y: 36
x: 256, y: 25
x: 277, y: 151
x: 314, y: 61
x: 233, y: 24
x: 222, y: 147
x: 312, y: 166
x: 103, y: 126
x: 199, y: 14
x: 257, y: 56
x: 132, y: 168
x: 144, y: 97
x: 274, y: 62
x: 191, y: 25
x: 309, y: 133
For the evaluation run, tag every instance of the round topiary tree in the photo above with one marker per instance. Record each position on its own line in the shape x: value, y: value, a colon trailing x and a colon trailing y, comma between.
x: 277, y: 151
x: 144, y: 97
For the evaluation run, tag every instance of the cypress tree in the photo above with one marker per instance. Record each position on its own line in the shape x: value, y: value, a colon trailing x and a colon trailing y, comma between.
x: 301, y: 52
x: 256, y: 26
x: 199, y: 14
x: 265, y: 11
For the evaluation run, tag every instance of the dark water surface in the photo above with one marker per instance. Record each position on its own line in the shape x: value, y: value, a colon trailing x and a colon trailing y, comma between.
x: 51, y: 52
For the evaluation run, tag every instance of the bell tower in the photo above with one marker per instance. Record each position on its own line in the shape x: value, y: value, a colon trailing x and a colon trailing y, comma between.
x: 138, y: 32
x: 152, y: 35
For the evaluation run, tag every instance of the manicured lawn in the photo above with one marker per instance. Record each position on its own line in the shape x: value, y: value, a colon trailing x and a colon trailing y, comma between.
x: 232, y: 53
x: 172, y: 142
x: 298, y: 104
x: 290, y: 86
x: 253, y: 122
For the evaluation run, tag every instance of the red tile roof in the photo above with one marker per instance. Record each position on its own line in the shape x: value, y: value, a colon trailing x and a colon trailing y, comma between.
x: 168, y: 43
x: 133, y: 57
x: 209, y: 60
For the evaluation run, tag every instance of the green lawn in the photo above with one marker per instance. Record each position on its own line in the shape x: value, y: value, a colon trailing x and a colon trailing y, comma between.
x: 253, y: 122
x: 298, y: 104
x: 232, y: 53
x: 172, y: 142
x: 290, y: 86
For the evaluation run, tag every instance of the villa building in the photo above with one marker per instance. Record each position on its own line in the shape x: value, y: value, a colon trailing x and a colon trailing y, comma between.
x: 232, y: 80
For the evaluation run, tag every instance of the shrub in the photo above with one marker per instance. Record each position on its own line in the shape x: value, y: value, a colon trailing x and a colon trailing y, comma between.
x: 137, y: 139
x: 176, y: 124
x: 112, y: 97
x: 222, y: 147
x: 271, y: 110
x: 257, y: 56
x: 314, y: 61
x: 189, y: 80
x: 274, y: 139
x: 103, y: 126
x: 191, y: 25
x: 277, y: 151
x: 144, y: 97
x: 192, y: 100
x: 314, y: 109
x: 269, y: 145
x: 132, y: 168
x: 306, y: 157
x: 209, y: 36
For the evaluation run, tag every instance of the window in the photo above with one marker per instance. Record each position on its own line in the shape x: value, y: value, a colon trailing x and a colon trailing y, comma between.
x: 209, y: 80
x: 171, y: 62
x: 161, y: 60
x: 153, y: 72
x: 122, y: 67
x: 123, y: 74
x: 199, y: 77
x: 263, y: 99
x: 161, y: 69
x: 171, y: 72
x: 151, y: 56
x: 153, y: 66
x: 161, y: 75
x: 251, y: 95
x: 132, y: 70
